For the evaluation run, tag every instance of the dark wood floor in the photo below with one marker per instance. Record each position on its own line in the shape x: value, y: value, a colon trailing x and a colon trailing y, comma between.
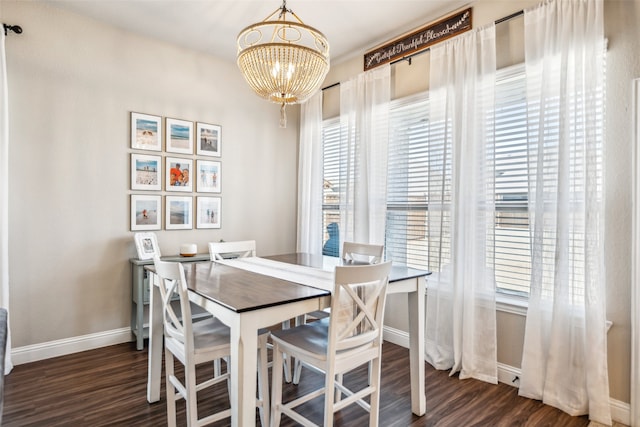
x: 107, y: 387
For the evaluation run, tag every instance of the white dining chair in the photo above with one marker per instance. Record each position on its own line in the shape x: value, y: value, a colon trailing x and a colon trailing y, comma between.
x: 352, y: 254
x: 225, y: 250
x: 220, y: 251
x: 195, y: 343
x: 349, y: 338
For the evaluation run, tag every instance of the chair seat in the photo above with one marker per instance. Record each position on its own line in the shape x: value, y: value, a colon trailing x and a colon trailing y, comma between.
x: 210, y: 333
x: 311, y: 337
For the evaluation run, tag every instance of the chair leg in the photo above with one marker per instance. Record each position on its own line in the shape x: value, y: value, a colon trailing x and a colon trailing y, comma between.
x: 297, y: 371
x: 263, y: 380
x: 286, y: 364
x: 329, y: 396
x: 276, y: 386
x: 171, y: 391
x: 374, y: 400
x: 191, y: 399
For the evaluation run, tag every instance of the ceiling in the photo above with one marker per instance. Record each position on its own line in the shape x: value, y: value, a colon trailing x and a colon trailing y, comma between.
x: 352, y: 26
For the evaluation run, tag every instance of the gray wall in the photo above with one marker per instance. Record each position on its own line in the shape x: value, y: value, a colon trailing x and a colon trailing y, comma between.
x: 73, y: 83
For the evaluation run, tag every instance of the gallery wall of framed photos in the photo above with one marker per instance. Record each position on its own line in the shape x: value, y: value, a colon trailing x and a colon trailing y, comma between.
x: 175, y: 173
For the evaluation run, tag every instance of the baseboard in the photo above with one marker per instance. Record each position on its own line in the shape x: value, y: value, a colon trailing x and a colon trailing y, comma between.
x: 510, y: 375
x: 47, y: 350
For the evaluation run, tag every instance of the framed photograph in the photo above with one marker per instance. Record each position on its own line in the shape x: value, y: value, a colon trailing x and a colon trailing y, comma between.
x: 208, y: 212
x: 179, y: 213
x: 178, y: 173
x: 146, y: 245
x: 146, y: 172
x: 146, y: 212
x: 208, y: 177
x: 208, y: 139
x: 146, y: 132
x: 179, y: 136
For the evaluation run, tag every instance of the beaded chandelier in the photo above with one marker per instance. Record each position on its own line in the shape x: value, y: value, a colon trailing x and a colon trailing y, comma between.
x: 284, y: 61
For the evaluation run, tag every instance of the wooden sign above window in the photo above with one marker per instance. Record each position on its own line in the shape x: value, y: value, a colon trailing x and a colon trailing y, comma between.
x: 419, y: 40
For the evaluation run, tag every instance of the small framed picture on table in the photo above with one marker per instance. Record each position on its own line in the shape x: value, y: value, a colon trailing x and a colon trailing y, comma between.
x: 146, y: 245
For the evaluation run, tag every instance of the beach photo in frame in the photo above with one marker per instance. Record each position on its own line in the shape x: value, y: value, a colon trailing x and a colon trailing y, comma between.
x: 179, y: 136
x: 146, y: 245
x: 146, y: 212
x: 208, y: 139
x: 208, y: 176
x: 179, y: 213
x: 178, y: 174
x: 146, y: 132
x: 209, y: 211
x: 146, y: 172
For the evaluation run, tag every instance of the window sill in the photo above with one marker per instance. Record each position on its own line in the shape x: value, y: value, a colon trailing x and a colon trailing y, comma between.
x: 512, y: 304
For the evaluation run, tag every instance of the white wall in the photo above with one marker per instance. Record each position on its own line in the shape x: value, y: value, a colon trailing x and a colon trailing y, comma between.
x: 73, y: 83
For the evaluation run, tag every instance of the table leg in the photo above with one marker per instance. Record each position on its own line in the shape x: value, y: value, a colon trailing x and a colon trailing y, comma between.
x: 243, y: 372
x: 155, y: 341
x: 416, y: 348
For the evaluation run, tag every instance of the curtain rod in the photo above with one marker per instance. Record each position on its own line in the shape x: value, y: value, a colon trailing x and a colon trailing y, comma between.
x: 408, y: 57
x: 15, y: 28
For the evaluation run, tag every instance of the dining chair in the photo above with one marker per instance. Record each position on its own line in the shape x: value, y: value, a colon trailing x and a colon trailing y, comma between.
x: 195, y: 343
x: 220, y: 251
x: 349, y: 338
x: 352, y: 253
x: 225, y: 250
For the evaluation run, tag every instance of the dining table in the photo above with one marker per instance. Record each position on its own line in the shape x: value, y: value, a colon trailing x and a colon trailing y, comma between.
x: 248, y: 294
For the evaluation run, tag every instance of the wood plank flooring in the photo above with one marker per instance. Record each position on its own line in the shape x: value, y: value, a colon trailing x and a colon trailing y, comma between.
x: 107, y: 387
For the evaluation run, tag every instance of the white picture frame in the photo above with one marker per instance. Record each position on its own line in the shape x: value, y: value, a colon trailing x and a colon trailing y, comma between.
x: 208, y: 176
x: 146, y: 172
x: 209, y: 212
x: 146, y: 245
x: 146, y: 212
x: 179, y: 135
x: 208, y: 139
x: 146, y: 132
x: 178, y: 174
x: 178, y: 212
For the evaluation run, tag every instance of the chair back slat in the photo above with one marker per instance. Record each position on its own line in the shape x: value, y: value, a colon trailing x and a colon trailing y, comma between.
x: 361, y: 253
x: 239, y: 249
x: 172, y: 282
x: 357, y: 305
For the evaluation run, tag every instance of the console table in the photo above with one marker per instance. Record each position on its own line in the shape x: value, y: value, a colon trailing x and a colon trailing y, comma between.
x: 140, y: 293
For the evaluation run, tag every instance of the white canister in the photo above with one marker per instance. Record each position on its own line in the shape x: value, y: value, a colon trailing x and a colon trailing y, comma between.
x: 188, y: 249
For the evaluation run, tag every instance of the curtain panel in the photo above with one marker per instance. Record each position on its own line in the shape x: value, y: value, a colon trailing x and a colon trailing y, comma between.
x: 310, y: 177
x: 364, y: 119
x: 4, y: 195
x: 461, y: 309
x: 565, y: 350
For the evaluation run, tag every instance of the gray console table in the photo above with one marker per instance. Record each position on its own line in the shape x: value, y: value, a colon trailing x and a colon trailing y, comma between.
x: 140, y: 293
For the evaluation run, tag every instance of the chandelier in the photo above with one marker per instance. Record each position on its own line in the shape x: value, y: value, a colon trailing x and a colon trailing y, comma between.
x: 284, y: 61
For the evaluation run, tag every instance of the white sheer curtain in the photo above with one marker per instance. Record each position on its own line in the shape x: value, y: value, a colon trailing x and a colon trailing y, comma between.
x: 4, y: 194
x: 310, y: 177
x: 635, y: 265
x: 565, y: 349
x: 364, y: 119
x: 461, y: 314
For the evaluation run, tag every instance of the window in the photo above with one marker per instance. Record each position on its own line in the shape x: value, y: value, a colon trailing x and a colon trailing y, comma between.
x: 410, y: 153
